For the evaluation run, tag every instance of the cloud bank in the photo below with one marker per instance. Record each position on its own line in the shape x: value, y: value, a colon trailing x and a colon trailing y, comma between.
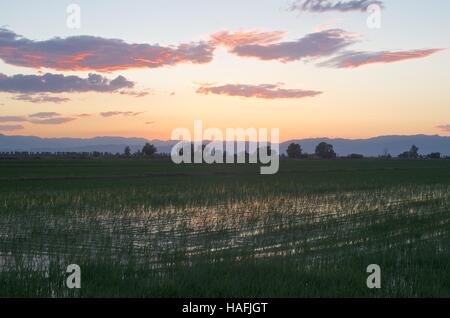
x: 313, y: 45
x: 81, y: 53
x: 265, y: 91
x: 35, y: 88
x: 90, y: 53
x: 58, y: 83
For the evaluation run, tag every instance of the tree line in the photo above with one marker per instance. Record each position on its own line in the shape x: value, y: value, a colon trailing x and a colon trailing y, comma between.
x: 294, y: 151
x: 326, y: 151
x: 147, y: 151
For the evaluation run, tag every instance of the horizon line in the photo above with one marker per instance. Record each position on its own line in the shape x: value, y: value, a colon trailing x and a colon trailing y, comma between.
x: 171, y: 140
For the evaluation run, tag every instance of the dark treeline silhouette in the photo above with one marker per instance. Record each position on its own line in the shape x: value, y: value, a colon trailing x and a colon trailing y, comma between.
x: 147, y: 151
x: 413, y: 153
x: 294, y: 151
x: 325, y: 151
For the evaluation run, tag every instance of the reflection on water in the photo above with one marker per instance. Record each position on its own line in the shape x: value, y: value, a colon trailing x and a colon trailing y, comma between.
x: 255, y: 226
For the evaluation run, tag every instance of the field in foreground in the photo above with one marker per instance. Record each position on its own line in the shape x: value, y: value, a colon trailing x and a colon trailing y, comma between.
x: 149, y: 228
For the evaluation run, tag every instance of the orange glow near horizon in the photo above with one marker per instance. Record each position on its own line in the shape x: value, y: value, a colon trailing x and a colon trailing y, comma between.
x: 392, y: 91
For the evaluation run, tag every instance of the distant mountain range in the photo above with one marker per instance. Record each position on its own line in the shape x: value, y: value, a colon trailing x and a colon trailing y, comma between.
x: 367, y: 147
x: 378, y: 145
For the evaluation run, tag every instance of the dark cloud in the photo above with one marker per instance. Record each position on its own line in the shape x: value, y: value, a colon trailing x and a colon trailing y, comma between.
x: 58, y: 83
x: 99, y: 54
x: 314, y: 45
x: 10, y: 127
x: 111, y: 114
x: 87, y: 53
x: 357, y: 59
x: 317, y: 6
x: 266, y: 91
x: 35, y: 88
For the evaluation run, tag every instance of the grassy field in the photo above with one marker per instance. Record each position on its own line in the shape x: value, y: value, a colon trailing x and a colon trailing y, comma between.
x: 149, y: 228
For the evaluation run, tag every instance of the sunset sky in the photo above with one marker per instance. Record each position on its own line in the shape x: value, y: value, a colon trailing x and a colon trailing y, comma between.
x: 312, y: 68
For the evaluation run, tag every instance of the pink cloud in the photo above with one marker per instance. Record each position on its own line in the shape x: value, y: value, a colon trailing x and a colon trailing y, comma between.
x: 87, y: 53
x: 111, y: 114
x: 233, y: 39
x: 265, y: 91
x: 357, y: 59
x: 82, y: 53
x: 445, y: 128
x: 313, y: 45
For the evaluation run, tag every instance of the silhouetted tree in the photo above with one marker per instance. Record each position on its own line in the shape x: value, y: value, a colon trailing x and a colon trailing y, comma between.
x: 356, y: 156
x: 413, y: 153
x: 385, y: 152
x: 127, y: 151
x: 148, y: 150
x: 294, y: 151
x: 434, y: 155
x: 325, y: 151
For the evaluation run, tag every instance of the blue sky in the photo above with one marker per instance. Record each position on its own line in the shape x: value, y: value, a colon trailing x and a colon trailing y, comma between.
x: 405, y: 22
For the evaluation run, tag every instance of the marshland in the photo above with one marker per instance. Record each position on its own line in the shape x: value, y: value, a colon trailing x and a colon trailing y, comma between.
x: 150, y: 228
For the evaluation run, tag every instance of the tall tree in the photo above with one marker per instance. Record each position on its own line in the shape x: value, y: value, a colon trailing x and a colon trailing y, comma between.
x: 414, y: 152
x: 127, y: 151
x: 294, y: 151
x: 148, y: 150
x: 325, y: 151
